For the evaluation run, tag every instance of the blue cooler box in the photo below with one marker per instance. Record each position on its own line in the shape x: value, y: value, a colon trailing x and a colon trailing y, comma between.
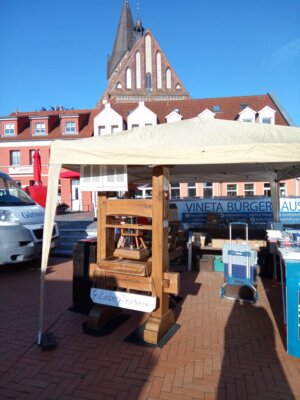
x: 239, y: 262
x: 293, y: 307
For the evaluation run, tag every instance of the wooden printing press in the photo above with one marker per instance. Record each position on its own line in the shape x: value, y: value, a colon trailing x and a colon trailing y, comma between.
x: 130, y: 268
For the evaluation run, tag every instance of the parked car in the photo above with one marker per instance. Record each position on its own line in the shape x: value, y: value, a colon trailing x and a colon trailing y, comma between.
x: 21, y: 224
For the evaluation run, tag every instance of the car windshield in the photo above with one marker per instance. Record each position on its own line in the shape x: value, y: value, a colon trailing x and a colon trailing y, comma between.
x: 11, y: 194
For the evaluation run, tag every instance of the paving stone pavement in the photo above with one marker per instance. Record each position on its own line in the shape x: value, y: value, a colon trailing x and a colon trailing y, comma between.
x: 223, y: 349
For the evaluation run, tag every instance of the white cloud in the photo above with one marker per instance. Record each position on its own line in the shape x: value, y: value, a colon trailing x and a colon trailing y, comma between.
x: 288, y: 52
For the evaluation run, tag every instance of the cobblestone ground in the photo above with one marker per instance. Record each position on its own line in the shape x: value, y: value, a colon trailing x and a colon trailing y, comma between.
x: 223, y: 349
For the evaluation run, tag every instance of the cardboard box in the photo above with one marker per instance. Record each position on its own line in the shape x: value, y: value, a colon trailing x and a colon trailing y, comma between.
x: 217, y: 243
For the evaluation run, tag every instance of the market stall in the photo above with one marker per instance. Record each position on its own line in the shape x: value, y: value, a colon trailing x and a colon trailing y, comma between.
x: 191, y: 150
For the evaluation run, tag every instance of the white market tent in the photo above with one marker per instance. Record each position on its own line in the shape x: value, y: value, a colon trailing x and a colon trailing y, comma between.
x: 195, y: 149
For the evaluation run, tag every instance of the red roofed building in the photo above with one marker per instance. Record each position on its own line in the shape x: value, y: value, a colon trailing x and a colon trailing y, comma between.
x: 143, y: 89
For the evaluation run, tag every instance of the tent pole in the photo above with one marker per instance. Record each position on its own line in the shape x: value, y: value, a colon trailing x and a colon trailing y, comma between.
x: 274, y: 185
x: 46, y: 340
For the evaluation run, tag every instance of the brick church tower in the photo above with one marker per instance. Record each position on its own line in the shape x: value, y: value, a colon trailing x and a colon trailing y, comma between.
x: 138, y: 69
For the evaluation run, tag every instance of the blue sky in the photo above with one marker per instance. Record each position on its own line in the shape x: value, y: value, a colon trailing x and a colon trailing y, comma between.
x: 54, y: 51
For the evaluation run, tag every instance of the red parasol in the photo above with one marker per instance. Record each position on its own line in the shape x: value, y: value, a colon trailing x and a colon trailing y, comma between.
x: 37, y: 168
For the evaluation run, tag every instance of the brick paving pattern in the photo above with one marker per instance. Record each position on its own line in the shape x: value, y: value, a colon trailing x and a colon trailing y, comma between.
x: 223, y: 349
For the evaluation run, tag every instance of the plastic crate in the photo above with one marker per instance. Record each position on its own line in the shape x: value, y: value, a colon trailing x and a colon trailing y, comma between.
x: 218, y: 264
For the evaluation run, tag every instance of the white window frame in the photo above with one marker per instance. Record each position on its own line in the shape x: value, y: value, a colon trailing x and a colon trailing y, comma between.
x: 114, y: 128
x: 31, y: 153
x: 174, y: 187
x: 267, y: 189
x: 70, y: 127
x: 9, y: 129
x: 15, y: 157
x: 101, y: 130
x: 207, y: 186
x: 247, y: 191
x: 191, y: 186
x: 283, y: 189
x: 39, y: 128
x: 103, y: 178
x: 232, y: 192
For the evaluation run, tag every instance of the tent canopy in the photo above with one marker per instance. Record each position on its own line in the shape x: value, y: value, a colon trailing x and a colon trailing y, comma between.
x: 195, y: 149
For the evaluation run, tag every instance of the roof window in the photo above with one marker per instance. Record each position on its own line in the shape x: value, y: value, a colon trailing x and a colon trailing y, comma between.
x: 216, y: 108
x: 243, y: 106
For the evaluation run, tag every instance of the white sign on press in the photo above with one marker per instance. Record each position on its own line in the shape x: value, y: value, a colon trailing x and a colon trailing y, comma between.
x: 130, y: 301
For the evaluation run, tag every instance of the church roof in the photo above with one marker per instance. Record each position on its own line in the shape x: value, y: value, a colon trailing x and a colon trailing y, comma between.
x: 124, y: 40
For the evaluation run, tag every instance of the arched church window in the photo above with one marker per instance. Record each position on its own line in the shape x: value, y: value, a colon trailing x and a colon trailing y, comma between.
x: 148, y: 82
x: 148, y: 53
x: 119, y: 85
x: 168, y: 79
x: 158, y: 70
x: 128, y: 78
x: 138, y: 80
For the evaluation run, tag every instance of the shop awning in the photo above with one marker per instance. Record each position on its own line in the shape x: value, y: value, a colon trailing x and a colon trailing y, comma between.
x: 70, y: 175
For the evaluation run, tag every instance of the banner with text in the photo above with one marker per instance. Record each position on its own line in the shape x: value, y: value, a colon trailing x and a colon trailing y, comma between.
x: 256, y: 211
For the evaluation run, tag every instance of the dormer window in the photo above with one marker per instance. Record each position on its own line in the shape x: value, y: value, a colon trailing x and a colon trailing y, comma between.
x: 247, y: 115
x: 70, y: 127
x: 9, y: 129
x: 174, y: 116
x: 206, y: 114
x: 39, y: 125
x: 266, y: 116
x: 40, y: 128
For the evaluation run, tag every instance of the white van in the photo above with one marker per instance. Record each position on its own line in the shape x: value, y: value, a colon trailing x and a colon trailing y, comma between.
x: 21, y: 224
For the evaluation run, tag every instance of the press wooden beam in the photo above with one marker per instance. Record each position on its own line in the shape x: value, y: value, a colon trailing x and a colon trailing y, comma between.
x: 161, y: 320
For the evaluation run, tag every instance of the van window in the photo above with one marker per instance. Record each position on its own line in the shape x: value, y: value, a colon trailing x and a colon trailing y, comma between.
x: 11, y: 194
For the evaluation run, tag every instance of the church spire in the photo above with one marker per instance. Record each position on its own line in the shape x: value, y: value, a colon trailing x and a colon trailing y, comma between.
x: 124, y: 40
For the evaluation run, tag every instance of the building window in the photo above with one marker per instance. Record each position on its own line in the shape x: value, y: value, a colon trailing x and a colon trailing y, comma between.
x: 266, y: 121
x: 9, y: 129
x: 168, y: 79
x: 70, y: 127
x: 15, y: 157
x: 114, y: 128
x: 31, y: 160
x: 148, y: 124
x: 249, y: 189
x: 247, y: 120
x: 101, y: 130
x: 148, y: 54
x: 128, y: 78
x: 207, y: 189
x: 134, y: 126
x: 40, y: 128
x: 282, y: 190
x: 119, y: 85
x: 148, y: 193
x: 175, y: 191
x: 192, y: 190
x: 267, y: 190
x: 138, y: 80
x: 158, y: 71
x: 216, y: 108
x: 243, y: 106
x: 148, y: 82
x: 232, y: 190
